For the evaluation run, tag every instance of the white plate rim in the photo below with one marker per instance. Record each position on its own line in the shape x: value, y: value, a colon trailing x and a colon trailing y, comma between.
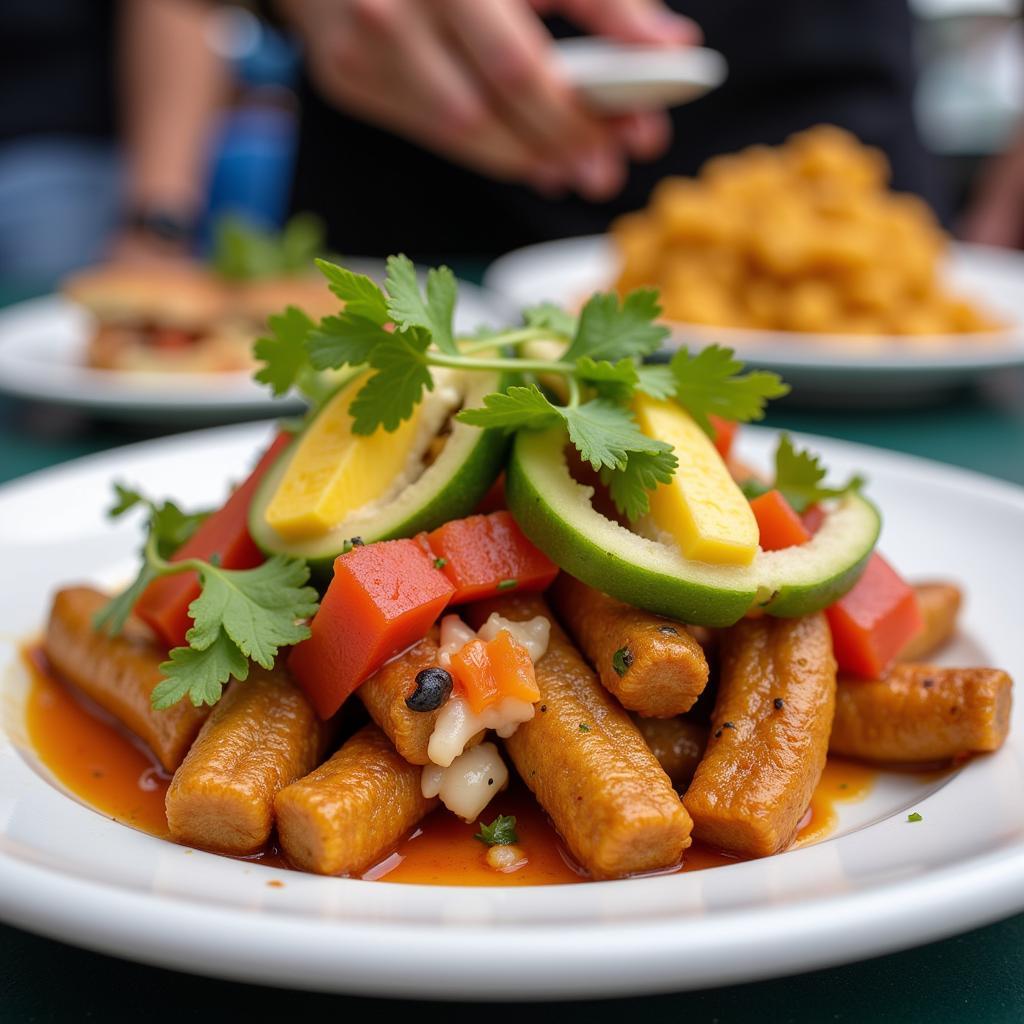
x: 542, y: 961
x: 510, y: 276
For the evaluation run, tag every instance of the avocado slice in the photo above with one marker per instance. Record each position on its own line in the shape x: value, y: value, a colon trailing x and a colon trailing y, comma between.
x: 556, y: 513
x: 448, y: 488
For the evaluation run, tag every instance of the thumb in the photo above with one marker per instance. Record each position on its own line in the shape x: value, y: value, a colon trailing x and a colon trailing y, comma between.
x: 633, y: 21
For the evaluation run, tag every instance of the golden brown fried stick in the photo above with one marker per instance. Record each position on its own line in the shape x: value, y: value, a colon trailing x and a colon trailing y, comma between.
x: 650, y: 663
x: 940, y: 605
x: 384, y: 695
x: 261, y: 736
x: 769, y: 734
x: 347, y: 814
x: 588, y: 766
x: 922, y: 714
x: 677, y: 743
x: 118, y: 673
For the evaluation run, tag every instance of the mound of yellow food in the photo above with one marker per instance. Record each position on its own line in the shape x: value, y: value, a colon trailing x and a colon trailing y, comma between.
x: 802, y: 237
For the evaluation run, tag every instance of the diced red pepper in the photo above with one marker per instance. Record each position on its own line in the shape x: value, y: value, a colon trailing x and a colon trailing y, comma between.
x: 813, y: 517
x: 163, y: 605
x: 725, y: 434
x: 488, y: 672
x: 488, y: 555
x: 874, y: 621
x: 383, y: 597
x: 780, y: 526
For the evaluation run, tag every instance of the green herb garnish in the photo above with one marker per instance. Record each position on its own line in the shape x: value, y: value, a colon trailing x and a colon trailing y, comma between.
x: 914, y: 816
x: 239, y: 613
x: 584, y: 727
x: 397, y: 333
x: 440, y: 563
x: 798, y: 476
x: 500, y: 832
x: 508, y: 584
x: 242, y: 251
x: 621, y: 660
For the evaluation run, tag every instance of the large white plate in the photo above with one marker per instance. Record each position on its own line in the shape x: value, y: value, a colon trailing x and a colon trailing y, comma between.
x: 567, y: 271
x: 879, y: 885
x: 42, y: 351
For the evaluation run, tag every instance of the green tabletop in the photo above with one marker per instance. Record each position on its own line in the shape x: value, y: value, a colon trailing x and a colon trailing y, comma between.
x: 975, y: 977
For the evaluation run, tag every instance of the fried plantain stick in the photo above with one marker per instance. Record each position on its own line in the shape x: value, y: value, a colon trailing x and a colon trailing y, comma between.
x: 651, y: 664
x: 384, y: 695
x: 922, y: 714
x: 940, y: 605
x: 119, y: 673
x: 351, y: 811
x: 589, y: 767
x: 769, y: 735
x: 678, y: 744
x: 262, y: 735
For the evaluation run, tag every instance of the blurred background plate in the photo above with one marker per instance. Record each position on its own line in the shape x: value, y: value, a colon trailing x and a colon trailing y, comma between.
x: 855, y: 370
x: 42, y: 344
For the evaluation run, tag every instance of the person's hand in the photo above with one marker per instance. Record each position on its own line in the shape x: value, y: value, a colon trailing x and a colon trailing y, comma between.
x: 996, y: 214
x: 475, y: 81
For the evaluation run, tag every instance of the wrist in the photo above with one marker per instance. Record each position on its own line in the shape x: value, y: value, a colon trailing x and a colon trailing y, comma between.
x: 167, y: 225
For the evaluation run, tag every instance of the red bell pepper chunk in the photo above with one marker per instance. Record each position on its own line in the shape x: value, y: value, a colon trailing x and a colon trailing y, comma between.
x: 813, y: 517
x: 163, y: 605
x: 488, y: 555
x: 725, y: 434
x: 485, y: 673
x: 383, y: 598
x: 780, y: 526
x: 874, y: 621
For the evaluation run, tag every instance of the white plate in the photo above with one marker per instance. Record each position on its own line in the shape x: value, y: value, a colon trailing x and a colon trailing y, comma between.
x: 567, y: 271
x: 42, y: 351
x: 621, y: 77
x: 879, y: 885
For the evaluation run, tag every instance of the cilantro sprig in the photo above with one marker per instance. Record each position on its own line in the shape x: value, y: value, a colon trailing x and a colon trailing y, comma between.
x: 240, y: 614
x: 799, y: 476
x: 394, y: 335
x: 243, y: 251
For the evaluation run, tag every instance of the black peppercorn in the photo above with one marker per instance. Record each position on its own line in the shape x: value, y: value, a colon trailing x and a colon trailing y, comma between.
x: 779, y: 703
x: 433, y: 688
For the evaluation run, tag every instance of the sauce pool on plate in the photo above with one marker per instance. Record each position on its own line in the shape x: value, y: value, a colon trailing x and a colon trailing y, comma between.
x: 89, y: 754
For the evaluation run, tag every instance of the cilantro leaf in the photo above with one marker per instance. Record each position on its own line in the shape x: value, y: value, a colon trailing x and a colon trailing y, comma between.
x: 607, y: 331
x: 914, y: 817
x: 500, y: 832
x: 199, y: 674
x: 656, y: 380
x: 799, y: 476
x: 512, y: 409
x: 283, y: 351
x: 361, y: 295
x: 615, y: 381
x: 256, y: 608
x: 643, y: 472
x: 710, y: 382
x: 604, y: 434
x: 243, y: 251
x: 408, y: 308
x: 392, y: 393
x: 300, y: 240
x: 345, y: 339
x: 550, y: 317
x: 113, y: 615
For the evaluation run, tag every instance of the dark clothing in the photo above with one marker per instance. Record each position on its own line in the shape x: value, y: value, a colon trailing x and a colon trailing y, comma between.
x: 792, y: 64
x: 57, y: 68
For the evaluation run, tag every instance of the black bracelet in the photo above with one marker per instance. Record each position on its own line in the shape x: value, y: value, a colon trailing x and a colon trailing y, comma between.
x: 167, y: 225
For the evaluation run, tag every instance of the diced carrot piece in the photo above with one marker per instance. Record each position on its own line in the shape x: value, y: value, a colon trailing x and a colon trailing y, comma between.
x: 163, y: 605
x: 513, y: 667
x: 780, y: 526
x: 487, y: 555
x: 874, y: 621
x: 383, y: 598
x: 725, y: 434
x: 488, y: 672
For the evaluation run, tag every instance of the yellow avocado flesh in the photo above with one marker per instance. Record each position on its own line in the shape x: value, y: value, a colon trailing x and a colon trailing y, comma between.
x: 703, y: 509
x: 334, y: 472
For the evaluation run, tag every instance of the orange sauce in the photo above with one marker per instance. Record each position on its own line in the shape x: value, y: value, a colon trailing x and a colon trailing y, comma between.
x: 105, y: 767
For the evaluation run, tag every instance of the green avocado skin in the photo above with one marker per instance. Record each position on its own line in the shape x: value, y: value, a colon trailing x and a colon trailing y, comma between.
x: 607, y: 571
x: 688, y: 600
